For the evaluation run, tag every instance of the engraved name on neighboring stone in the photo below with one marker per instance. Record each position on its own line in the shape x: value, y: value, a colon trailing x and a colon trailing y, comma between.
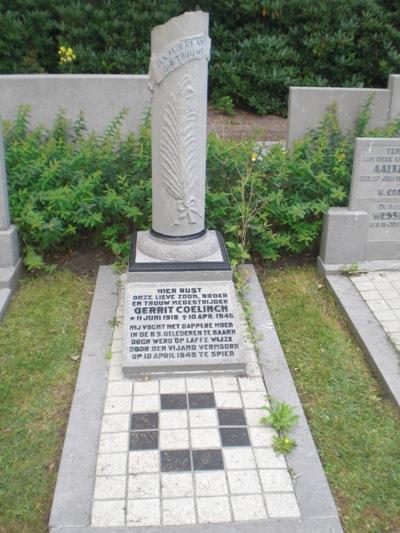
x: 181, y: 323
x: 377, y: 189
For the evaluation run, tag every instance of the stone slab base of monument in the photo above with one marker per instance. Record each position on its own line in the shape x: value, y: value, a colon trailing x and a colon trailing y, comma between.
x: 183, y: 472
x: 203, y: 258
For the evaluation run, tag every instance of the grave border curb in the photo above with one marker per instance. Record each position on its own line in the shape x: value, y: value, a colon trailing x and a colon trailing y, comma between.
x: 75, y: 480
x: 74, y: 489
x: 380, y: 352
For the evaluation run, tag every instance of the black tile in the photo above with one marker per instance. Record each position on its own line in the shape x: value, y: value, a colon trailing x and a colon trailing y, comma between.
x: 143, y: 440
x: 201, y: 400
x: 231, y: 417
x: 234, y: 437
x: 175, y: 461
x: 144, y: 421
x: 207, y: 460
x: 173, y: 401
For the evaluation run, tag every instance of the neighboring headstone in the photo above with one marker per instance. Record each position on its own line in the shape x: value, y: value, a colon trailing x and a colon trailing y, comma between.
x: 181, y: 312
x: 308, y: 106
x: 369, y: 229
x: 10, y: 261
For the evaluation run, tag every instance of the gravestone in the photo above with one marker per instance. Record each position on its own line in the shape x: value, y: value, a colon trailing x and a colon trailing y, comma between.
x: 181, y: 312
x: 10, y: 261
x: 369, y: 229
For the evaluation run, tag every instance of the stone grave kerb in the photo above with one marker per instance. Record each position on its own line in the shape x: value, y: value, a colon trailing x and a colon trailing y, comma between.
x: 10, y: 261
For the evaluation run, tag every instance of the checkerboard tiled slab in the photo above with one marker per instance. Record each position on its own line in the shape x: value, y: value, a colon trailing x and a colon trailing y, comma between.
x: 187, y: 450
x: 381, y: 292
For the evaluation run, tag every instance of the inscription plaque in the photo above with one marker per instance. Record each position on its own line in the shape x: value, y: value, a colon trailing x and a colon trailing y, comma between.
x: 179, y: 327
x: 376, y: 186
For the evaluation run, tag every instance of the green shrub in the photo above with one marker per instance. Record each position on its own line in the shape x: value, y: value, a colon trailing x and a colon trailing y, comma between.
x: 260, y: 47
x: 67, y: 186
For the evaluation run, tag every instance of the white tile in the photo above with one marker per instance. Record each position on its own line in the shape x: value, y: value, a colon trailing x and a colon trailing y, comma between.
x: 150, y: 402
x: 174, y: 439
x: 391, y: 326
x: 203, y: 418
x: 178, y: 511
x: 172, y: 386
x: 276, y: 481
x: 253, y: 416
x: 198, y: 384
x: 211, y: 483
x: 282, y: 505
x: 396, y: 284
x: 144, y: 461
x: 116, y: 359
x: 119, y: 388
x: 143, y: 486
x: 383, y: 285
x: 108, y: 513
x: 213, y: 510
x: 115, y: 423
x: 228, y: 399
x: 252, y: 384
x: 113, y: 442
x: 117, y: 404
x: 248, y: 507
x: 111, y: 464
x: 173, y: 419
x: 370, y: 295
x: 243, y: 481
x: 364, y: 285
x: 267, y: 458
x: 205, y: 438
x: 174, y: 485
x: 254, y: 400
x: 225, y: 384
x: 238, y: 458
x: 378, y: 305
x: 145, y: 387
x: 253, y: 368
x: 387, y: 314
x: 261, y: 436
x: 394, y: 304
x: 390, y: 295
x: 109, y: 487
x: 143, y: 512
x: 115, y: 373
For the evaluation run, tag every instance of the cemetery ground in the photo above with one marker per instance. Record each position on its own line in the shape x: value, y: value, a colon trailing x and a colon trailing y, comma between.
x: 356, y: 429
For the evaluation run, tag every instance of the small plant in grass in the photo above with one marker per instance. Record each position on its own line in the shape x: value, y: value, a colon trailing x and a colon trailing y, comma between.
x: 282, y: 417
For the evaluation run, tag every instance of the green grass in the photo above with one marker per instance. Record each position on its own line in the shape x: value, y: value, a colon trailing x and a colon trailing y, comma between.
x: 357, y: 430
x: 40, y: 337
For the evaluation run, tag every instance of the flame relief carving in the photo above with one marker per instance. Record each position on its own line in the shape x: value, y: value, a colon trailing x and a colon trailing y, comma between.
x: 178, y: 151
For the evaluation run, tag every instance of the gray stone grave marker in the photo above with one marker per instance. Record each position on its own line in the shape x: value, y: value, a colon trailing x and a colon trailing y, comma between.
x: 181, y: 311
x: 369, y: 229
x: 10, y: 261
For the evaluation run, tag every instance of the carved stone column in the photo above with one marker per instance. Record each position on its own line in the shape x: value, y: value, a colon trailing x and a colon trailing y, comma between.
x: 180, y: 52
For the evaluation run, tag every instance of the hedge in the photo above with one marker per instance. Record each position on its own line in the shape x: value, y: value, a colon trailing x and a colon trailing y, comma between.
x: 260, y: 47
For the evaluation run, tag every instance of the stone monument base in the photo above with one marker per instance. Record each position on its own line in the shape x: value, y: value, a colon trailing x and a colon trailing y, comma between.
x: 200, y: 259
x: 182, y: 317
